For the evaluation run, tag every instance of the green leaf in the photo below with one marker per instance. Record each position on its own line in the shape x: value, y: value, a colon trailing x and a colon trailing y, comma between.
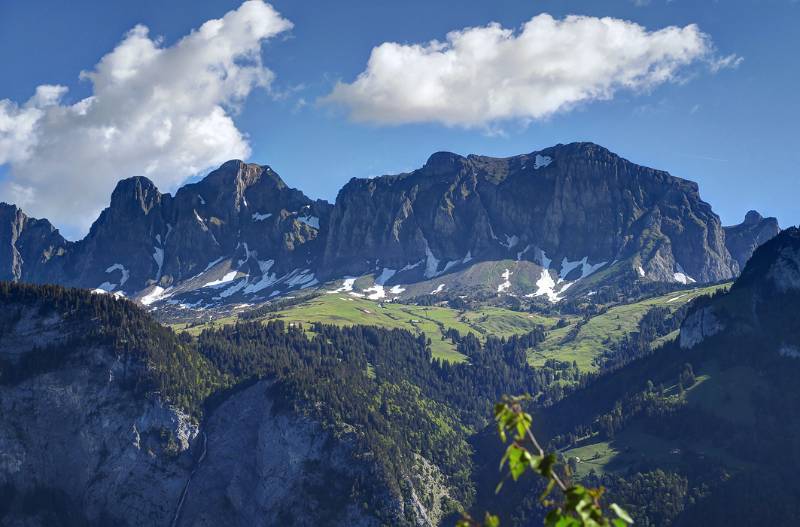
x: 491, y: 521
x: 547, y: 490
x: 621, y: 513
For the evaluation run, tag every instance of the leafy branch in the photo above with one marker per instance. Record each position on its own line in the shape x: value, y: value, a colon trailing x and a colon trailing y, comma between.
x: 579, y: 506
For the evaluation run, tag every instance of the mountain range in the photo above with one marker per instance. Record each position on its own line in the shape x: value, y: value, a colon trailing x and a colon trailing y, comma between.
x: 565, y: 222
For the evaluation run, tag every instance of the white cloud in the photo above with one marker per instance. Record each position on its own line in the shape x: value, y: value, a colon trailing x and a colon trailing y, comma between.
x: 482, y: 75
x: 163, y: 112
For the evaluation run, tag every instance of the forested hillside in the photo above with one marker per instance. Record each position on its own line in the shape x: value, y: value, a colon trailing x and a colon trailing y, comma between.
x: 705, y: 430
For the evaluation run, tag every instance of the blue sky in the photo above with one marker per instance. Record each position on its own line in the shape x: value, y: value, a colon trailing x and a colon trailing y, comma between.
x: 734, y: 131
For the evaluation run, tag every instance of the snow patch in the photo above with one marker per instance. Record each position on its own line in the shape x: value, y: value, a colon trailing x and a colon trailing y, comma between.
x: 385, y: 276
x: 229, y: 277
x: 257, y: 216
x: 447, y: 266
x: 511, y: 241
x: 212, y: 264
x: 586, y: 268
x: 408, y: 267
x: 105, y: 287
x: 125, y: 273
x: 676, y: 298
x: 681, y: 276
x: 467, y: 258
x: 396, y: 290
x: 438, y: 289
x: 431, y: 263
x: 523, y: 251
x: 241, y: 284
x: 544, y: 261
x: 506, y: 285
x: 302, y: 277
x: 155, y: 294
x: 346, y: 286
x: 640, y: 269
x: 542, y: 161
x: 266, y: 279
x: 158, y: 256
x: 375, y: 292
x: 546, y: 286
x: 202, y: 201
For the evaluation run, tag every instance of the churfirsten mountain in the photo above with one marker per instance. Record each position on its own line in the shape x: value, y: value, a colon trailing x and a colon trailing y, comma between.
x: 560, y: 223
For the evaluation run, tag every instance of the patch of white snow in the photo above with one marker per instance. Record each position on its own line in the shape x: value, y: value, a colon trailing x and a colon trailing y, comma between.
x: 224, y: 280
x: 125, y: 273
x: 506, y: 285
x: 541, y: 161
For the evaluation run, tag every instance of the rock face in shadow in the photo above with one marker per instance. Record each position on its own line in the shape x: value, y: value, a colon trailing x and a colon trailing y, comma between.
x: 241, y: 213
x: 76, y: 446
x: 569, y: 201
x: 266, y: 467
x: 742, y: 240
x: 31, y: 250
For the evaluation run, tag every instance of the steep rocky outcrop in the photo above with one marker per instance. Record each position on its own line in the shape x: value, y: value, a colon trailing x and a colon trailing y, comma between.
x: 559, y: 205
x: 262, y: 463
x: 75, y: 444
x: 743, y: 239
x: 240, y: 219
x: 31, y: 250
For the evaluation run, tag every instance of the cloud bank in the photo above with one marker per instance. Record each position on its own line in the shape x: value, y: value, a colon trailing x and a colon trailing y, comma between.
x: 162, y: 112
x: 482, y: 75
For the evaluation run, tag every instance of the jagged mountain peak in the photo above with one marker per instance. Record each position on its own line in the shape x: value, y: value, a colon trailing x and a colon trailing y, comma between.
x: 443, y: 162
x: 752, y: 217
x: 135, y: 194
x: 237, y: 173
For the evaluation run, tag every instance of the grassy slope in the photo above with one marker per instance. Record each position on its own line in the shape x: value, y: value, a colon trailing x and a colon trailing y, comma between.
x: 724, y: 393
x: 433, y: 320
x: 346, y: 310
x: 595, y: 336
x: 605, y: 330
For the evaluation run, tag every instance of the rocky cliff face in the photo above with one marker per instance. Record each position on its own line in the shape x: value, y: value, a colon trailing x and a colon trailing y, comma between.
x: 75, y: 443
x: 81, y: 444
x: 241, y: 219
x: 262, y: 463
x: 560, y: 205
x: 241, y: 234
x: 31, y: 250
x: 742, y: 240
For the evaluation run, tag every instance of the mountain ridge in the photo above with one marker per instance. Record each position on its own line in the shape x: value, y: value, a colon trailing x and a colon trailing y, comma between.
x: 562, y: 213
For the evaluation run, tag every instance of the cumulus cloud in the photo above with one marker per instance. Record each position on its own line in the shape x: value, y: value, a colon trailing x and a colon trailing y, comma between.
x: 482, y: 75
x: 160, y: 111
